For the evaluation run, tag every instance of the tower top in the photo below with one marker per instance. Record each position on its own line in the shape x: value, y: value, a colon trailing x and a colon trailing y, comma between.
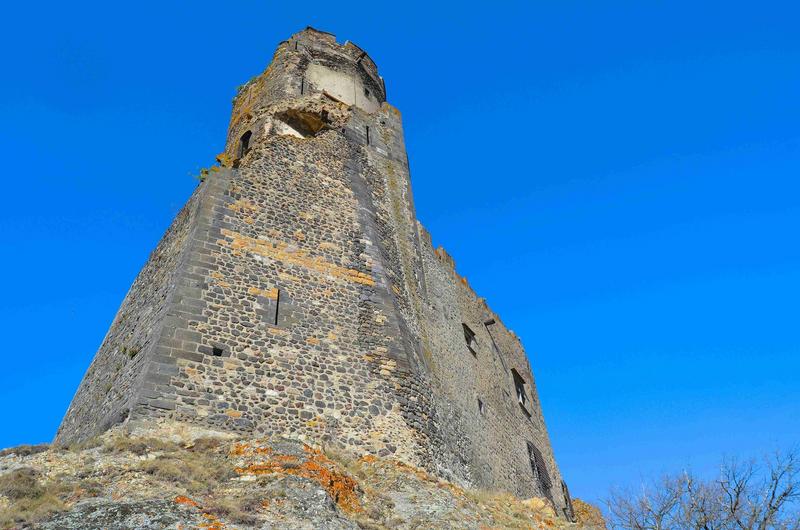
x: 312, y: 61
x: 322, y: 43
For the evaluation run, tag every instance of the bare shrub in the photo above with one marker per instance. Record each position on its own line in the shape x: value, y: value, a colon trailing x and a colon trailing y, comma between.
x: 745, y: 496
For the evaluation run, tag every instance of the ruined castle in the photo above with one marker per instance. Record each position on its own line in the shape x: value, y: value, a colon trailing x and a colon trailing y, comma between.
x: 296, y: 294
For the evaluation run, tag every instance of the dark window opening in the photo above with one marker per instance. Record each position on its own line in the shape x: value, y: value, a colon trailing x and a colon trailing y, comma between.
x: 216, y: 352
x: 519, y: 386
x: 469, y: 336
x: 367, y: 134
x: 295, y: 45
x: 481, y: 407
x: 277, y: 305
x: 366, y: 92
x: 302, y: 86
x: 244, y: 144
x: 539, y: 469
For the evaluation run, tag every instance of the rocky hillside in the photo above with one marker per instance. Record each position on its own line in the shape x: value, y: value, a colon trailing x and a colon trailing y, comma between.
x: 182, y: 480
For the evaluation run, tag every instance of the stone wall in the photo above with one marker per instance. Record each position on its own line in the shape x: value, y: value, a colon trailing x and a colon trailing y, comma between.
x: 308, y: 302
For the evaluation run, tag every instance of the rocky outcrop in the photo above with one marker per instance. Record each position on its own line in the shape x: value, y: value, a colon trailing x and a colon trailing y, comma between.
x: 175, y: 478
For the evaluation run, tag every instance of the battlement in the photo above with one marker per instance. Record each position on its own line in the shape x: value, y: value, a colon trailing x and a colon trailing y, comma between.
x: 296, y: 294
x: 317, y: 40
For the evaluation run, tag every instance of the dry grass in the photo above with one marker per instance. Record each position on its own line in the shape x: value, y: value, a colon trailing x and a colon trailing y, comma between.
x: 197, y: 472
x: 89, y: 443
x: 588, y: 515
x: 30, y: 498
x: 25, y: 450
x: 207, y: 444
x: 202, y: 470
x: 139, y: 446
x: 240, y: 510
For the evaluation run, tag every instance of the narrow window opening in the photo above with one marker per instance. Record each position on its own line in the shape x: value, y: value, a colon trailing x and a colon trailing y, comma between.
x: 302, y: 86
x: 277, y: 305
x: 244, y: 144
x: 519, y: 386
x: 481, y: 407
x: 295, y: 45
x: 539, y: 470
x: 366, y: 92
x: 216, y: 352
x: 367, y: 134
x: 469, y: 336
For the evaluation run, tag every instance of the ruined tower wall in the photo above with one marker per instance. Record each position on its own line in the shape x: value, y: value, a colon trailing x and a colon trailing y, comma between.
x: 306, y: 301
x: 477, y: 381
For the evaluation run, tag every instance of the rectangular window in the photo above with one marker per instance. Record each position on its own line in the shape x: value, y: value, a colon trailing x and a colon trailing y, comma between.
x: 519, y: 386
x: 539, y: 469
x: 368, y: 135
x: 469, y: 336
x: 244, y: 143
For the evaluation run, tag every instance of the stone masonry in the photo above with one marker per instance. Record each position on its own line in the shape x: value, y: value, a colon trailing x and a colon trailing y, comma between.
x: 297, y: 294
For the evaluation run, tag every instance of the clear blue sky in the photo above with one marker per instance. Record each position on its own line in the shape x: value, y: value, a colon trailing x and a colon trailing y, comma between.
x: 618, y: 179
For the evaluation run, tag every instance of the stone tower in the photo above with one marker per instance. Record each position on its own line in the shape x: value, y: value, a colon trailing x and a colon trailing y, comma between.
x: 296, y: 294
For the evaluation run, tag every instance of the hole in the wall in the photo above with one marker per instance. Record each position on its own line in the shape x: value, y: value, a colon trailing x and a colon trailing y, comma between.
x: 366, y: 92
x: 519, y: 387
x: 469, y: 337
x: 367, y: 133
x: 481, y: 407
x: 244, y: 143
x: 302, y: 86
x: 304, y: 122
x: 216, y: 351
x: 277, y: 306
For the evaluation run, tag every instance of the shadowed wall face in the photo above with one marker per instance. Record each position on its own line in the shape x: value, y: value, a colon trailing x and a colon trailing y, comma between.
x: 296, y: 294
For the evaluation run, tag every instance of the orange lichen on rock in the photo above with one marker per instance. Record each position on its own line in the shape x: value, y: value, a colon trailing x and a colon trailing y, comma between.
x: 213, y: 523
x: 180, y: 499
x: 315, y: 466
x: 224, y: 160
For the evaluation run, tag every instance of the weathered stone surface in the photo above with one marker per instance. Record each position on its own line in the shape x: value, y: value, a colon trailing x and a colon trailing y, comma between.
x: 108, y: 515
x: 297, y: 295
x: 179, y: 476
